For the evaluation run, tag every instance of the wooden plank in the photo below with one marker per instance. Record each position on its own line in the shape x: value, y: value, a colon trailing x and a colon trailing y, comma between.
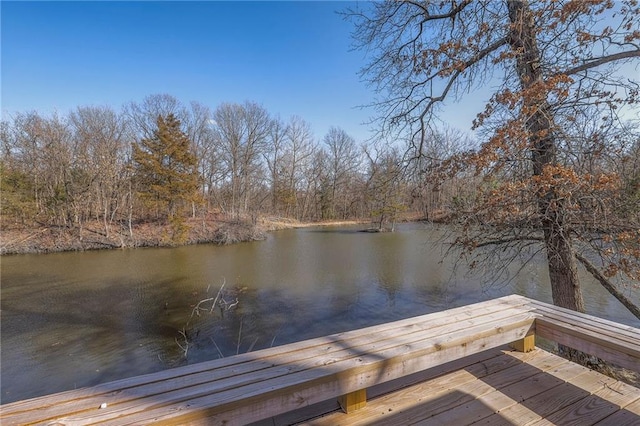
x: 149, y: 385
x: 627, y: 416
x: 548, y: 362
x: 304, y: 373
x: 470, y: 412
x: 555, y: 399
x: 398, y: 404
x: 585, y: 412
x: 516, y: 413
x: 566, y: 374
x: 616, y: 343
x: 611, y: 341
x: 317, y: 360
x: 451, y: 392
x: 310, y: 386
x: 190, y: 377
x: 553, y: 376
x: 481, y: 363
x: 411, y: 404
x: 312, y: 355
x: 617, y: 352
x: 607, y: 333
x: 619, y: 343
x: 332, y: 361
x: 524, y: 371
x: 597, y: 324
x: 415, y: 406
x: 510, y: 387
x: 235, y: 379
x: 594, y: 408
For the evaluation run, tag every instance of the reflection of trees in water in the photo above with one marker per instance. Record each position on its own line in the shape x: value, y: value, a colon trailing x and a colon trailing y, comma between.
x: 385, y: 261
x: 74, y: 336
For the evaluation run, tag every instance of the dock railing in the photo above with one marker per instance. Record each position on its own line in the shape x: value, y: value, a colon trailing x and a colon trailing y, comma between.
x: 264, y: 384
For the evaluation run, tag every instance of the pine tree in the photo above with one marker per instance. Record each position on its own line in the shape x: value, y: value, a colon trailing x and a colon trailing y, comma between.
x: 166, y: 171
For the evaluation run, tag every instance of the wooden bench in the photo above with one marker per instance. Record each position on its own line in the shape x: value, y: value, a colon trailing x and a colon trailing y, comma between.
x: 608, y: 340
x: 263, y: 384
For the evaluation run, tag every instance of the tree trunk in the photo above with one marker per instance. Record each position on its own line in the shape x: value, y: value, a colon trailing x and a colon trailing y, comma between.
x: 563, y: 271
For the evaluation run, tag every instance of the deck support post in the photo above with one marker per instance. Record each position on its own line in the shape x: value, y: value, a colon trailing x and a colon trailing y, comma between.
x: 353, y: 401
x: 526, y: 344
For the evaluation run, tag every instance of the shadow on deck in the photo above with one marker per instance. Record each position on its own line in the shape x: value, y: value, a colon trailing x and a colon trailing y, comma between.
x: 508, y: 388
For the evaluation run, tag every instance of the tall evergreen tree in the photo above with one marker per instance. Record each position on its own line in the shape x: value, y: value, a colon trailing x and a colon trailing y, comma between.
x: 166, y: 170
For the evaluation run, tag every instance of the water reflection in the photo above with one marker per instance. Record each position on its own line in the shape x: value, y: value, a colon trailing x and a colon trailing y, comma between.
x: 78, y: 319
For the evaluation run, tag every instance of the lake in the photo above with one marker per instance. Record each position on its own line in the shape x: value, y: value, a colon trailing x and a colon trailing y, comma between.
x: 71, y: 320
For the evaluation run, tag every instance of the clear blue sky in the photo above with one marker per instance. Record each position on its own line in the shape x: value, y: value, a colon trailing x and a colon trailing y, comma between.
x: 291, y: 57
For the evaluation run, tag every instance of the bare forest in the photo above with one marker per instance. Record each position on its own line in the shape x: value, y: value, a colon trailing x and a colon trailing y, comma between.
x: 158, y: 172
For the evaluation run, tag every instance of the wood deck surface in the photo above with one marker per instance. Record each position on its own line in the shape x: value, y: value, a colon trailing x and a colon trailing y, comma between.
x: 259, y: 385
x: 511, y: 388
x: 448, y: 367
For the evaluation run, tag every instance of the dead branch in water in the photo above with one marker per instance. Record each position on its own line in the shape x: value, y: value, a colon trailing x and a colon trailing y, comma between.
x: 185, y: 337
x: 196, y: 310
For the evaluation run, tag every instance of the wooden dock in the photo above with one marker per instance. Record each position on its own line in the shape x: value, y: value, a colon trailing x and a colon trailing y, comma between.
x: 449, y: 367
x: 507, y: 388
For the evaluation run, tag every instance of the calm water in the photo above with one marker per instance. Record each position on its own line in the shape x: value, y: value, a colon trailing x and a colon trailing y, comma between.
x: 78, y: 319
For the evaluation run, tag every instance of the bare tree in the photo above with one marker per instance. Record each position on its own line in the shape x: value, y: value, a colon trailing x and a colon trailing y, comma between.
x: 343, y: 162
x: 549, y: 62
x: 100, y: 140
x: 198, y: 125
x: 242, y: 132
x: 22, y: 175
x: 385, y: 184
x: 437, y: 194
x: 300, y: 149
x: 288, y: 157
x: 144, y: 115
x: 274, y: 157
x: 42, y: 150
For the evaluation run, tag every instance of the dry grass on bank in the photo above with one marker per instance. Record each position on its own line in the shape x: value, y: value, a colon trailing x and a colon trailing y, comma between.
x: 278, y: 223
x: 38, y: 238
x: 216, y: 229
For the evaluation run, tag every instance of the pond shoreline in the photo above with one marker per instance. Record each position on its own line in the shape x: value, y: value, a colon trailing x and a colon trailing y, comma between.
x: 79, y: 319
x: 41, y: 239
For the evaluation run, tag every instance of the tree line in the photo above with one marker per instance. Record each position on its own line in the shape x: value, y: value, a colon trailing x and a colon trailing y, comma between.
x: 159, y: 160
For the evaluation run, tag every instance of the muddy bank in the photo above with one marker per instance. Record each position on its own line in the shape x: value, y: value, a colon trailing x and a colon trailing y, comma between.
x: 92, y: 236
x: 49, y: 239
